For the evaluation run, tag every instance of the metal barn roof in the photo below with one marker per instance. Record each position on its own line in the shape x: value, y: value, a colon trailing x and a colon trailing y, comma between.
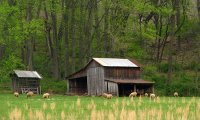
x: 27, y: 74
x: 115, y: 62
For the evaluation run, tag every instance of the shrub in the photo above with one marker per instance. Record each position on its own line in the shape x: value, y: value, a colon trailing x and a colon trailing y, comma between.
x: 163, y: 67
x: 55, y: 86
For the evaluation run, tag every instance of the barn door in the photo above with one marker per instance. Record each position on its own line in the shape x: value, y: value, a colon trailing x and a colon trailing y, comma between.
x: 95, y: 80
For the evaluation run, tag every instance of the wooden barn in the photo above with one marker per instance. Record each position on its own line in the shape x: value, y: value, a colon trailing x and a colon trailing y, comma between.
x: 24, y: 81
x: 119, y: 77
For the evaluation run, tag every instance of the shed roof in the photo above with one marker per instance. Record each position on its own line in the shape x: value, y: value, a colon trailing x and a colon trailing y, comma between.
x: 115, y: 62
x: 135, y: 81
x: 27, y: 74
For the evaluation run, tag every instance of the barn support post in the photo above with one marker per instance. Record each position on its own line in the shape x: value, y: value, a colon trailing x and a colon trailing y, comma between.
x: 68, y: 82
x: 135, y: 88
x: 152, y: 89
x: 40, y: 90
x: 117, y: 89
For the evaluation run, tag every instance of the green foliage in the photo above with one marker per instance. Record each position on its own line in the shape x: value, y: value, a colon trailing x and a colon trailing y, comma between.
x: 8, y: 65
x: 163, y: 67
x: 53, y: 86
x: 150, y: 72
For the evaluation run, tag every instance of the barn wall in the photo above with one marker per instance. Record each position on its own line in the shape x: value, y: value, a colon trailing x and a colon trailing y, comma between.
x: 122, y: 73
x: 95, y: 80
x: 111, y: 87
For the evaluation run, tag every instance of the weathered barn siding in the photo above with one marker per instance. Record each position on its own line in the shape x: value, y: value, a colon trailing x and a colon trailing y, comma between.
x: 95, y: 81
x: 111, y: 87
x: 122, y: 73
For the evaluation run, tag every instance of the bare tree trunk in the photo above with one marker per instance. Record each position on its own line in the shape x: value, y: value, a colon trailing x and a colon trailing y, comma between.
x: 88, y: 29
x: 97, y: 29
x: 66, y: 38
x: 178, y: 19
x: 29, y: 41
x: 48, y: 33
x: 55, y: 60
x: 198, y: 8
x: 2, y: 51
x: 81, y: 35
x: 170, y: 49
x: 72, y: 35
x: 60, y: 40
x: 106, y: 27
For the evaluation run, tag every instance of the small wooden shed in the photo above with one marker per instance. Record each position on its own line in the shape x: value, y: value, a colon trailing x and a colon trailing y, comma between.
x: 24, y: 81
x: 119, y: 77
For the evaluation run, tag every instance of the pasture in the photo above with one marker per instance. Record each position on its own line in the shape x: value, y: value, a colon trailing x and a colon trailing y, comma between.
x: 60, y: 107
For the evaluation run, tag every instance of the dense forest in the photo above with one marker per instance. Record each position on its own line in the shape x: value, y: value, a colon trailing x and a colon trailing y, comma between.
x: 58, y: 37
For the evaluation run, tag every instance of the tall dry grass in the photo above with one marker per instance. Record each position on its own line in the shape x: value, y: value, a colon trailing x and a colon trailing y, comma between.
x: 116, y: 109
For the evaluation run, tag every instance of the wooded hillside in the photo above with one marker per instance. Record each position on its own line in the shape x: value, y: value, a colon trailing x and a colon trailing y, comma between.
x: 58, y: 37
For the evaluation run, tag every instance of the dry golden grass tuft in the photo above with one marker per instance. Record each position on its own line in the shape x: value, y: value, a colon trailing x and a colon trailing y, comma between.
x: 78, y: 103
x: 53, y: 106
x: 62, y: 115
x: 16, y: 114
x: 44, y: 106
x: 39, y: 115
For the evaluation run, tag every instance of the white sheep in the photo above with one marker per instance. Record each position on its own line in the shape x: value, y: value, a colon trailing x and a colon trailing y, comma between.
x: 46, y: 95
x: 108, y: 96
x: 16, y: 94
x: 133, y: 94
x: 152, y: 96
x: 146, y: 94
x: 175, y: 94
x: 29, y: 94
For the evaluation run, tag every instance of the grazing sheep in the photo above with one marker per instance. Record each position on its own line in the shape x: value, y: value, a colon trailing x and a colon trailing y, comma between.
x: 146, y: 94
x: 133, y: 94
x: 29, y: 94
x: 152, y: 96
x: 175, y: 94
x: 108, y: 96
x: 16, y: 94
x: 46, y: 95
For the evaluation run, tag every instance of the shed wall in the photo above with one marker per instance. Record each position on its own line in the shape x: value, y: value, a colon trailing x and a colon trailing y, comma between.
x: 95, y: 80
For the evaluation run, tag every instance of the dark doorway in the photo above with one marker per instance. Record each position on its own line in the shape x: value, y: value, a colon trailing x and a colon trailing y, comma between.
x: 141, y: 89
x: 125, y: 89
x: 78, y: 86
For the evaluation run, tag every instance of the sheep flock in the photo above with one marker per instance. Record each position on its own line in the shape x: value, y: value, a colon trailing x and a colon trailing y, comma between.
x: 30, y: 94
x: 105, y: 95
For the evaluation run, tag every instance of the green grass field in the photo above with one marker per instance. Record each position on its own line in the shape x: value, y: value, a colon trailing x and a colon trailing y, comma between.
x: 60, y: 107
